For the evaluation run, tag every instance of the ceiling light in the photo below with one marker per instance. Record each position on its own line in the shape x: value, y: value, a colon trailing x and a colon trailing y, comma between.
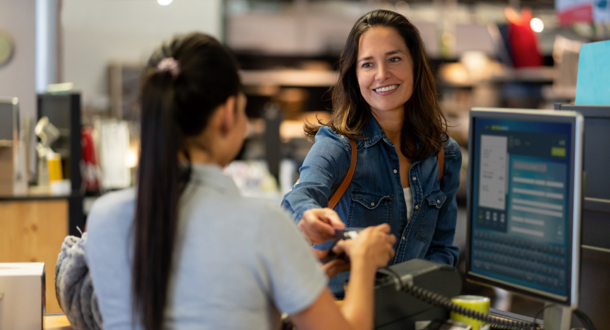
x: 537, y: 24
x: 164, y: 2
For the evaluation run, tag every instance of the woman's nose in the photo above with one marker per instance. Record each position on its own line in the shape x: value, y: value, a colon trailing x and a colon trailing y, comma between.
x: 382, y: 72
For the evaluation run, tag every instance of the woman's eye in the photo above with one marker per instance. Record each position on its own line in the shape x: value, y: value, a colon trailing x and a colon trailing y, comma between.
x: 367, y: 65
x: 395, y: 59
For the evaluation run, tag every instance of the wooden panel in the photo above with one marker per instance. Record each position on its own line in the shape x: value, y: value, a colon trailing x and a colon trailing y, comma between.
x: 56, y: 322
x: 6, y: 163
x: 6, y: 171
x: 33, y: 231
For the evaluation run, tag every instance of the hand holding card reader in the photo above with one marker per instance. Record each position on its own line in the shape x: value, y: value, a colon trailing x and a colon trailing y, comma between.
x: 341, y: 234
x: 394, y: 308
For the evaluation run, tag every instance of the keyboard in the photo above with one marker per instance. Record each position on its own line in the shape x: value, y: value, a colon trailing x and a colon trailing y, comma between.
x: 519, y: 259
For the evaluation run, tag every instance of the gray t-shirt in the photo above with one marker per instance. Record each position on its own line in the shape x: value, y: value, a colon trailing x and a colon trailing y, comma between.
x: 237, y: 261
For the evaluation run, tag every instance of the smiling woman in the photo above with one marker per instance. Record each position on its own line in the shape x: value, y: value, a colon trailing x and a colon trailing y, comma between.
x: 384, y: 71
x: 385, y: 99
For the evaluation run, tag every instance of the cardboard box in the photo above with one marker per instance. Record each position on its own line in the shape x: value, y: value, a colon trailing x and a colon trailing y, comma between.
x: 22, y: 287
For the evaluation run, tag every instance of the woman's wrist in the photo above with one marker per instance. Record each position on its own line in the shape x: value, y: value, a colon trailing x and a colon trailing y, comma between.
x: 361, y: 266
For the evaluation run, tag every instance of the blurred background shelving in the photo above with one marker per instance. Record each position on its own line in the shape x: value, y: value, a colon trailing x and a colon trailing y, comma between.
x: 288, y: 52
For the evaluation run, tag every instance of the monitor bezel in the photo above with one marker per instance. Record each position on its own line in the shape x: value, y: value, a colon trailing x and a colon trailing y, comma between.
x: 577, y: 122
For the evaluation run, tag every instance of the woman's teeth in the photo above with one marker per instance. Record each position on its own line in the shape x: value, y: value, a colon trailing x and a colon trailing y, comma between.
x: 386, y: 89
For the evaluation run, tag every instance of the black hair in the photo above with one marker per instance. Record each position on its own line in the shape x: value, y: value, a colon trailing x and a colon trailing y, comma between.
x: 177, y: 98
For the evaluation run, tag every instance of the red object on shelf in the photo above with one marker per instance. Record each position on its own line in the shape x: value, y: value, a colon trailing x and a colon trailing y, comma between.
x: 572, y: 11
x: 523, y: 40
x: 89, y: 164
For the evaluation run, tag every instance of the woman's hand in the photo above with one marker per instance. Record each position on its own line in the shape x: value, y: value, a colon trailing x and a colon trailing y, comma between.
x: 318, y: 225
x: 373, y: 247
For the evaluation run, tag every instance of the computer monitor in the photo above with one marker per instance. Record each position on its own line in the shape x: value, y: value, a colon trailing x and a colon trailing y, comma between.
x: 524, y: 202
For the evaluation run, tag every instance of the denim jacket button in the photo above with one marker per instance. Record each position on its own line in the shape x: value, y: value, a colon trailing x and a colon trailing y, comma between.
x: 395, y: 171
x: 373, y: 204
x: 403, y: 238
x: 414, y: 178
x: 438, y: 201
x: 417, y: 207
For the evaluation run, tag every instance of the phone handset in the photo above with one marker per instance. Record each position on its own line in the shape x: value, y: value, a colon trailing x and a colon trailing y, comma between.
x: 438, y: 300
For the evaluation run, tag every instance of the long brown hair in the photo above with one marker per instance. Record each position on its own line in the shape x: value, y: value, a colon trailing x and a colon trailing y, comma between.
x: 177, y: 99
x: 424, y: 121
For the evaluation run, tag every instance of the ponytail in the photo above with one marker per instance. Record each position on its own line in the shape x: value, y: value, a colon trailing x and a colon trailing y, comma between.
x: 156, y: 212
x: 176, y: 103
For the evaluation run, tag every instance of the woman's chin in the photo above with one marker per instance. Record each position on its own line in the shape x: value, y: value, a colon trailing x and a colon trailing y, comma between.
x: 388, y: 108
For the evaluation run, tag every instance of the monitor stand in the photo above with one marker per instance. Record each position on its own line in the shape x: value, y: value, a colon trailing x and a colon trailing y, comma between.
x: 557, y: 317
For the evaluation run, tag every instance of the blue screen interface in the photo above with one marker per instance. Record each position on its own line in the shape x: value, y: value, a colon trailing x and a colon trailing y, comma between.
x: 520, y: 203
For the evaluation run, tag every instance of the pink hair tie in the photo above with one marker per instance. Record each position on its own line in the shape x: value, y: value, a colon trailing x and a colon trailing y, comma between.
x: 170, y: 64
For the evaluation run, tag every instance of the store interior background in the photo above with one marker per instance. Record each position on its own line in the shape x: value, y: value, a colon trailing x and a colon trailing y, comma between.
x: 288, y: 51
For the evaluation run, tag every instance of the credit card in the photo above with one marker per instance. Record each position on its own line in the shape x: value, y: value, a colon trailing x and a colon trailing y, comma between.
x: 339, y: 232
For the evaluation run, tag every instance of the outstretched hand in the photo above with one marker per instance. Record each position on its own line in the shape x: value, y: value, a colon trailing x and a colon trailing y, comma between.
x: 317, y: 225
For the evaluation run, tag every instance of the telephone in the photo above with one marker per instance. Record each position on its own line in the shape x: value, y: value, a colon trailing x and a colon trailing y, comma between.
x: 413, y: 296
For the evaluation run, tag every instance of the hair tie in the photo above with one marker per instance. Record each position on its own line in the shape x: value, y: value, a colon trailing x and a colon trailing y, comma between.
x: 170, y: 64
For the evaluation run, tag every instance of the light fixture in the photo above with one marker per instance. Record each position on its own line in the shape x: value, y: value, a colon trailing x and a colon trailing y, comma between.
x: 164, y: 2
x: 131, y: 158
x: 537, y: 25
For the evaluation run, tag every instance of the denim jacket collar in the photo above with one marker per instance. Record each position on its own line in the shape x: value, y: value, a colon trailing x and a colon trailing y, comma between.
x: 373, y: 133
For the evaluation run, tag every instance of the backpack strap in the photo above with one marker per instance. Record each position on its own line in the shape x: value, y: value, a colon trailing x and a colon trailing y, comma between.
x: 441, y: 163
x: 348, y: 177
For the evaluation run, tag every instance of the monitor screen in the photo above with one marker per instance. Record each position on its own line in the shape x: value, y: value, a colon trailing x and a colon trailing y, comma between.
x: 524, y: 201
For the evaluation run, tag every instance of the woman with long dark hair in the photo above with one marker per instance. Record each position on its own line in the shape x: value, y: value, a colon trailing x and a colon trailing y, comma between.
x: 385, y: 100
x: 184, y: 250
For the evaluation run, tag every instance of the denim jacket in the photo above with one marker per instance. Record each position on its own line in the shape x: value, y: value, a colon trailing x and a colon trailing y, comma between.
x: 375, y: 194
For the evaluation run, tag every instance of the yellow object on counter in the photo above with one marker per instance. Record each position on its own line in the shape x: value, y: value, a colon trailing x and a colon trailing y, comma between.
x: 54, y: 163
x: 477, y: 303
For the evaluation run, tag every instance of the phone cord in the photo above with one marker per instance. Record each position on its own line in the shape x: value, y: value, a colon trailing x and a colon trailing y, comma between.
x: 438, y: 300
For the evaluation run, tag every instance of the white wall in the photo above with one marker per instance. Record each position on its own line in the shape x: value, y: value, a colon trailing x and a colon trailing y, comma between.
x: 96, y: 32
x: 18, y: 77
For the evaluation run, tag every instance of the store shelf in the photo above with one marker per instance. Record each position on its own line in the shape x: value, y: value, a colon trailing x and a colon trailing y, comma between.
x: 558, y: 93
x: 537, y: 74
x: 302, y: 78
